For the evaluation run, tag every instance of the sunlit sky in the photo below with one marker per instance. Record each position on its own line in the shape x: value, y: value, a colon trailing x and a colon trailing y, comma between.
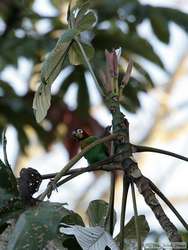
x: 156, y: 166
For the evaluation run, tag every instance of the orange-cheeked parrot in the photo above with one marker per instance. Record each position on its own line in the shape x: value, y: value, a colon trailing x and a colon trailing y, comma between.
x: 97, y: 153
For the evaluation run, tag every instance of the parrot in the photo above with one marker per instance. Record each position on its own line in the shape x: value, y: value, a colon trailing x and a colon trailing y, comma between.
x: 97, y: 153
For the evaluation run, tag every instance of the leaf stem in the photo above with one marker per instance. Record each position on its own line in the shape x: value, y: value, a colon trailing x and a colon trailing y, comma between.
x: 136, y: 217
x: 4, y: 143
x: 123, y: 209
x: 139, y: 149
x: 89, y: 66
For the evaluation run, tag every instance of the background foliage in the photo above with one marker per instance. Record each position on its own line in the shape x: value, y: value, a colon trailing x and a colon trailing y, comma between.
x: 118, y: 23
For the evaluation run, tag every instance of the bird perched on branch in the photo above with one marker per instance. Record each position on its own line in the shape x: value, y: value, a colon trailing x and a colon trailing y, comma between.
x: 97, y: 153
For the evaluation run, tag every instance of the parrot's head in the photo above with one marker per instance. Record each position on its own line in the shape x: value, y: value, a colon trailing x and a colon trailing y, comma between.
x: 79, y: 134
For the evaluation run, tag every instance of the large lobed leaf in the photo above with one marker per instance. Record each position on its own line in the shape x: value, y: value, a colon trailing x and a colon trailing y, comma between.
x: 38, y: 225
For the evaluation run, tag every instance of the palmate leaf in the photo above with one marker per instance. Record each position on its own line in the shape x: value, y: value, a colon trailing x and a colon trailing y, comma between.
x: 92, y: 238
x: 38, y: 225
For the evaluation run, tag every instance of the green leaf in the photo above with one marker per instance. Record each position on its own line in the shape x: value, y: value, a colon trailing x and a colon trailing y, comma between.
x: 97, y: 213
x: 176, y: 16
x: 130, y: 232
x: 159, y: 25
x: 75, y: 56
x: 86, y: 20
x: 42, y: 101
x: 7, y: 180
x: 53, y: 64
x: 92, y: 238
x: 36, y: 226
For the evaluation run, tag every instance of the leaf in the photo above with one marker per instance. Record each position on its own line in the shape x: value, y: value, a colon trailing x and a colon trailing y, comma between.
x: 86, y: 20
x: 75, y: 55
x: 41, y: 102
x: 10, y: 202
x: 159, y: 25
x: 36, y: 226
x: 54, y: 61
x: 176, y: 16
x: 92, y: 238
x: 7, y: 180
x: 130, y: 232
x: 144, y: 73
x: 97, y: 213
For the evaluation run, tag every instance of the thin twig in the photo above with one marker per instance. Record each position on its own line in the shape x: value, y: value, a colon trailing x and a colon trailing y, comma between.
x: 110, y: 213
x: 169, y: 204
x: 73, y: 161
x: 138, y: 149
x: 86, y: 170
x: 4, y: 143
x: 123, y: 209
x: 139, y: 242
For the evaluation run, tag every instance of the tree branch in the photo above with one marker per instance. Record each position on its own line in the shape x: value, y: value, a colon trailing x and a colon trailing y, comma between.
x: 169, y: 204
x: 4, y: 143
x: 73, y: 161
x: 139, y: 149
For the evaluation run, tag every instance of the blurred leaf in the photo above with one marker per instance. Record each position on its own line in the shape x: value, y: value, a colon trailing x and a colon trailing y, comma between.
x: 7, y: 180
x: 42, y: 101
x: 130, y: 240
x: 97, y: 213
x: 159, y: 25
x: 144, y: 73
x: 92, y: 238
x: 176, y: 16
x: 75, y: 56
x: 36, y: 226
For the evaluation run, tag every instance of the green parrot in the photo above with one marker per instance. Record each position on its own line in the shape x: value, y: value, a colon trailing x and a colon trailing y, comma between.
x: 98, y: 153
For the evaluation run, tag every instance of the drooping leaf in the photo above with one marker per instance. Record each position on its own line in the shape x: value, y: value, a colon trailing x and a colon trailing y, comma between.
x: 159, y: 25
x: 42, y: 101
x: 54, y: 61
x: 92, y: 238
x: 130, y: 240
x: 98, y: 212
x: 36, y: 226
x: 75, y: 55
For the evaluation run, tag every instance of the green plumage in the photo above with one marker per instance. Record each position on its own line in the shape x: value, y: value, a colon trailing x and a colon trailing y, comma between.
x: 98, y: 153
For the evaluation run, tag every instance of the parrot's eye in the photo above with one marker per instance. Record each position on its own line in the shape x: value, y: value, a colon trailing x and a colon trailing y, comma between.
x: 80, y: 131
